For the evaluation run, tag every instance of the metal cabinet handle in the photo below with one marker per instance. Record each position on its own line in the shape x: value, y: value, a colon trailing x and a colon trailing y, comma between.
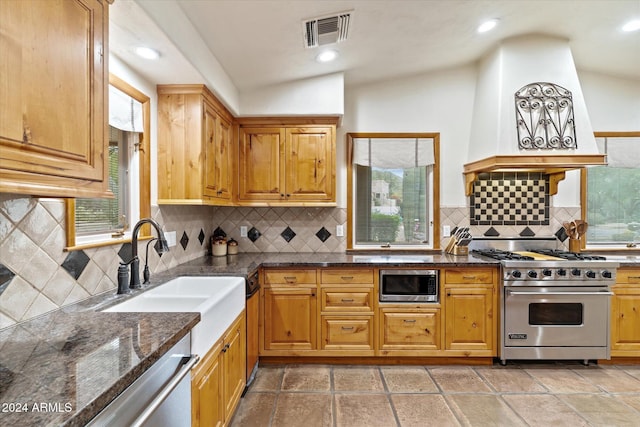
x: 290, y: 279
x: 347, y: 300
x: 469, y: 277
x: 409, y: 320
x: 165, y: 392
x: 347, y: 328
x: 346, y: 277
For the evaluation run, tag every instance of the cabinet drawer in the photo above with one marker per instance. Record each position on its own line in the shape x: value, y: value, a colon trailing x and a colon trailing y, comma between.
x: 410, y: 330
x: 469, y: 275
x: 336, y: 299
x: 630, y: 275
x: 290, y: 277
x: 347, y: 333
x: 346, y: 277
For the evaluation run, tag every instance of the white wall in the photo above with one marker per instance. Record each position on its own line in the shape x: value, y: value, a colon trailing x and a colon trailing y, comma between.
x: 436, y: 102
x: 322, y: 95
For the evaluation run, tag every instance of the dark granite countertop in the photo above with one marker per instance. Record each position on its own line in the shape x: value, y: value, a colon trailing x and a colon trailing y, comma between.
x: 64, y: 367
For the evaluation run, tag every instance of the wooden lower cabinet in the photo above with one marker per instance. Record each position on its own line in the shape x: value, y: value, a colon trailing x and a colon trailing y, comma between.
x: 470, y: 326
x: 410, y: 332
x: 625, y: 314
x: 352, y: 334
x: 289, y: 320
x: 217, y: 382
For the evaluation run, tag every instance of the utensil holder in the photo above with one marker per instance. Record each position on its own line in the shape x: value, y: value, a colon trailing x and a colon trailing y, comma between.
x: 574, y: 245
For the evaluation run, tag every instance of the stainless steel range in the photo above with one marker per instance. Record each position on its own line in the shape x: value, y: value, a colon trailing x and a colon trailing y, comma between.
x: 554, y: 304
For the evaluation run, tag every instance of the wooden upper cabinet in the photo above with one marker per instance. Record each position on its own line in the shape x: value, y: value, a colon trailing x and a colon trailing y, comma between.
x: 286, y: 164
x: 53, y: 97
x: 194, y: 147
x: 261, y: 164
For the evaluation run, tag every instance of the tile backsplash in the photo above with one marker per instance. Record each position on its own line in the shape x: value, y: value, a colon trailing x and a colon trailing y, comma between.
x: 37, y: 275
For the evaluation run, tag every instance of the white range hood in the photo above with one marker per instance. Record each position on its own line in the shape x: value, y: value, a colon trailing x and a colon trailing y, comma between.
x: 494, y: 143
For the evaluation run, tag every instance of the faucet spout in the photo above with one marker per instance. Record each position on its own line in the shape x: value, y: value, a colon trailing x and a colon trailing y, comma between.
x: 135, y: 262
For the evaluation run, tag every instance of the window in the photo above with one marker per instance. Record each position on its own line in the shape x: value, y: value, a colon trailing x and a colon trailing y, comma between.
x: 393, y: 185
x: 611, y: 194
x: 97, y: 222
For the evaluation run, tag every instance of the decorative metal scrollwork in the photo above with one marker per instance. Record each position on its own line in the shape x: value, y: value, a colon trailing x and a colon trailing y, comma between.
x: 544, y: 116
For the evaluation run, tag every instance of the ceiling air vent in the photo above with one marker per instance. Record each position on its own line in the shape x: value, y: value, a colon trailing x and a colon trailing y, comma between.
x: 326, y: 30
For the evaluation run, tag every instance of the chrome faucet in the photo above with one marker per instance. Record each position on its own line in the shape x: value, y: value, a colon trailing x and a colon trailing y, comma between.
x: 135, y: 262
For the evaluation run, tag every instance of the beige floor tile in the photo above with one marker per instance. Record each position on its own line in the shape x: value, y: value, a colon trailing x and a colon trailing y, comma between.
x: 363, y: 410
x: 634, y: 371
x: 562, y: 380
x: 610, y: 379
x: 602, y: 410
x: 483, y: 410
x: 407, y: 379
x: 458, y: 379
x: 632, y: 400
x: 303, y: 409
x: 306, y: 378
x: 507, y: 379
x: 543, y: 410
x: 255, y: 410
x: 268, y: 378
x: 423, y: 410
x: 357, y: 379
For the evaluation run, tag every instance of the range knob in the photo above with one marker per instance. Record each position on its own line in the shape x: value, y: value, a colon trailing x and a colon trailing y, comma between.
x: 590, y: 274
x: 532, y: 273
x: 516, y: 274
x: 562, y: 272
x: 606, y: 274
x: 575, y: 272
x: 547, y: 272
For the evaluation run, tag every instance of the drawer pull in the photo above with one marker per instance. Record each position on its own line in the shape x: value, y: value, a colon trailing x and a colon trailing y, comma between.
x: 634, y: 277
x: 290, y: 279
x: 347, y: 300
x: 346, y: 277
x: 409, y: 320
x: 347, y: 328
x: 469, y: 277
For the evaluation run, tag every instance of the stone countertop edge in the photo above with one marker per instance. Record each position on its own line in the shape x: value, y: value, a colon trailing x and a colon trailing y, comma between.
x: 242, y: 265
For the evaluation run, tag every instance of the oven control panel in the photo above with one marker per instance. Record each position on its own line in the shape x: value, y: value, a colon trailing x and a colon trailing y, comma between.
x: 582, y: 273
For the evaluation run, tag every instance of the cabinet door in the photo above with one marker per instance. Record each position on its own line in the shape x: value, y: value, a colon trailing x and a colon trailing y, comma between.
x: 53, y: 87
x: 223, y: 159
x: 309, y: 160
x: 207, y: 408
x: 347, y: 333
x: 625, y: 321
x: 234, y: 362
x: 469, y: 318
x: 261, y: 164
x: 211, y: 157
x: 290, y: 319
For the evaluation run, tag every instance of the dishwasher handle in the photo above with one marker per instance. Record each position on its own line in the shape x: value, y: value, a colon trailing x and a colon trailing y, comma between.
x: 188, y: 362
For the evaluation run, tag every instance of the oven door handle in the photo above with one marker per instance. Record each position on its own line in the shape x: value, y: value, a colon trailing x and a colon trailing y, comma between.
x: 559, y: 293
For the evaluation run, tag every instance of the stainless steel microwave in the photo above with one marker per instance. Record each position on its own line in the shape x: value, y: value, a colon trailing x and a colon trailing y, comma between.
x: 409, y: 286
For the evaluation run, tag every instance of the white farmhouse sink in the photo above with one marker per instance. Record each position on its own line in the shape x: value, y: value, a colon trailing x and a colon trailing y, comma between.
x: 219, y: 300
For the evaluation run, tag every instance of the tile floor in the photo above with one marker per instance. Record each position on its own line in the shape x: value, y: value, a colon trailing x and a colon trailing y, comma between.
x: 541, y: 394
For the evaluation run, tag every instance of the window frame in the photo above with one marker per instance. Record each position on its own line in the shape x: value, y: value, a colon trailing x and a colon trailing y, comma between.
x: 583, y: 198
x: 144, y: 176
x: 435, y: 220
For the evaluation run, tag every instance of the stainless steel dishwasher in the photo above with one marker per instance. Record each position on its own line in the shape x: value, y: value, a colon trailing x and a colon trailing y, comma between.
x: 160, y: 397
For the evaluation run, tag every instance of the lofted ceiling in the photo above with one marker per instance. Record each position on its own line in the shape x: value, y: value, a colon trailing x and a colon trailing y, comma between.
x: 258, y: 43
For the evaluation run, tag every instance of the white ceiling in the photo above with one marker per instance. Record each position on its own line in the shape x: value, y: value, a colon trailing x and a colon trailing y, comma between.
x: 260, y: 43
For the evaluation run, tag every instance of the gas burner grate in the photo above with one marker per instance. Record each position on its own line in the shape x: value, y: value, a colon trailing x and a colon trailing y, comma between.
x: 502, y: 255
x: 572, y: 256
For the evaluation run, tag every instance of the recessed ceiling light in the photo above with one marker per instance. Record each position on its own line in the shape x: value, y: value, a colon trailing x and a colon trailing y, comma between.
x: 147, y: 52
x: 488, y: 25
x: 327, y: 55
x: 632, y: 26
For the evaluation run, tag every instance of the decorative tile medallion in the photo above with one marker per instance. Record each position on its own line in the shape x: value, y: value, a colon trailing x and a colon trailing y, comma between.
x: 5, y: 277
x: 201, y: 236
x: 561, y: 234
x: 75, y: 263
x: 323, y: 234
x: 125, y: 253
x: 288, y: 234
x: 510, y: 199
x: 254, y: 234
x: 491, y: 232
x: 527, y: 232
x: 184, y: 241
